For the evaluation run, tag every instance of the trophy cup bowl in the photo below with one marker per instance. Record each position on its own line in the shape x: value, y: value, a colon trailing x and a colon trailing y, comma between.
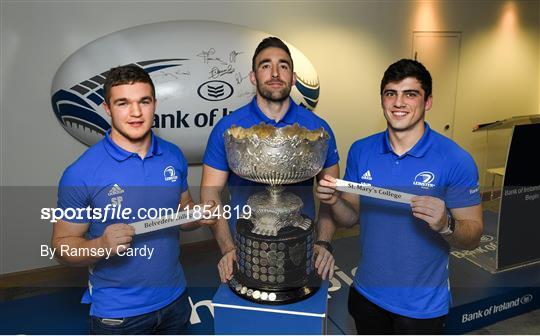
x: 275, y: 246
x: 276, y: 156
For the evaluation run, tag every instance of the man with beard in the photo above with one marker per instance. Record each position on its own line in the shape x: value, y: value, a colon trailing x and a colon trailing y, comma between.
x: 273, y: 76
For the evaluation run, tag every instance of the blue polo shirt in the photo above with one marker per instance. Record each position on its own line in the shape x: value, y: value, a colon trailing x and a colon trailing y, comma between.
x: 247, y: 116
x: 106, y: 174
x: 403, y: 265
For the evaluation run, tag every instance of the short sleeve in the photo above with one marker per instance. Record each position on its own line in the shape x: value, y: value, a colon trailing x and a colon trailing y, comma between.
x: 463, y: 187
x: 73, y: 195
x: 215, y: 155
x: 351, y: 171
x: 332, y: 156
x: 184, y: 175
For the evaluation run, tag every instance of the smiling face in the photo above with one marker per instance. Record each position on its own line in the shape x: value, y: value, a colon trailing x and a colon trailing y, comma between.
x: 273, y: 75
x: 131, y: 108
x: 404, y: 105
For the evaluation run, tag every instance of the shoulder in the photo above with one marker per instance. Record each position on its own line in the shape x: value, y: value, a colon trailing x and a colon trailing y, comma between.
x: 458, y: 163
x: 82, y: 170
x: 368, y: 143
x: 168, y: 148
x: 236, y: 117
x: 449, y: 150
x: 311, y: 120
x: 363, y: 149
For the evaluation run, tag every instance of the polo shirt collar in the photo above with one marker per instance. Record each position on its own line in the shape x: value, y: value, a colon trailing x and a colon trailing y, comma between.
x: 289, y: 118
x: 418, y: 150
x: 385, y: 144
x: 422, y: 146
x: 121, y: 154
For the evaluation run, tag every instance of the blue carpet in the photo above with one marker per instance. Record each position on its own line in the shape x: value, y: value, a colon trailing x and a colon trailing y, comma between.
x: 55, y: 313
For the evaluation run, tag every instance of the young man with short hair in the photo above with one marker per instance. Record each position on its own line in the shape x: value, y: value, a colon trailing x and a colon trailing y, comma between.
x: 138, y: 287
x: 401, y: 283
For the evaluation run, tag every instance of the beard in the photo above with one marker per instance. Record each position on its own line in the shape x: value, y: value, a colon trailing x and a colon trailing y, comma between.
x: 274, y: 95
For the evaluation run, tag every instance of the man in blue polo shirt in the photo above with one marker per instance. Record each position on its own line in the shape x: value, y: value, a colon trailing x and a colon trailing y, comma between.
x: 273, y: 76
x: 136, y: 283
x: 401, y: 283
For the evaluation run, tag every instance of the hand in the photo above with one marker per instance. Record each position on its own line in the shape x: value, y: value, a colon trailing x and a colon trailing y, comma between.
x: 225, y: 265
x: 430, y: 209
x: 326, y: 190
x: 324, y: 262
x: 117, y: 237
x: 209, y: 208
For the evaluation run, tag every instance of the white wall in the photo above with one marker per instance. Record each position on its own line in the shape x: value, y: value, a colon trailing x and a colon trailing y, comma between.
x: 349, y: 43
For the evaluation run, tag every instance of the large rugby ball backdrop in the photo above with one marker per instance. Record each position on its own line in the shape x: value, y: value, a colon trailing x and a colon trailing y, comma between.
x: 199, y: 68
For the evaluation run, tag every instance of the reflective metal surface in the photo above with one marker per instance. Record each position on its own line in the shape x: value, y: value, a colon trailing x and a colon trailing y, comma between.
x: 276, y: 156
x: 275, y: 245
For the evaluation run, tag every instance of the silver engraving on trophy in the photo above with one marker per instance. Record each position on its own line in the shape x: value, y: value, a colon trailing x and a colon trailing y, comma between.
x: 276, y: 156
x: 275, y: 245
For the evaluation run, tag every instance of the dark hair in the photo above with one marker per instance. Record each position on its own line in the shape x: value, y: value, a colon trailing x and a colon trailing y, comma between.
x: 408, y: 68
x: 270, y: 42
x: 126, y: 74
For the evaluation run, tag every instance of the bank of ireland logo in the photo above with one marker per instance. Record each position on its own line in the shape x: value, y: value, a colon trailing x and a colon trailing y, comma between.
x: 180, y: 56
x: 170, y: 174
x: 424, y: 179
x: 215, y: 90
x: 527, y: 298
x: 486, y: 238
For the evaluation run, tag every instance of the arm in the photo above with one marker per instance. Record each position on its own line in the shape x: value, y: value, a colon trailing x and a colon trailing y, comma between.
x: 213, y: 181
x: 469, y: 227
x: 344, y: 207
x: 326, y: 227
x: 71, y: 235
x: 324, y: 262
x: 187, y: 203
x: 346, y: 210
x: 469, y: 221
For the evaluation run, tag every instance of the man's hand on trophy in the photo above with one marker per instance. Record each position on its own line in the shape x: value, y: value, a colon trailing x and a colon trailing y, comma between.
x: 208, y: 213
x: 225, y: 265
x: 324, y: 262
x: 326, y: 190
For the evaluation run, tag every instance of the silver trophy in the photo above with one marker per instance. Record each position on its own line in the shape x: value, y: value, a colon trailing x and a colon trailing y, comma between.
x: 275, y: 246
